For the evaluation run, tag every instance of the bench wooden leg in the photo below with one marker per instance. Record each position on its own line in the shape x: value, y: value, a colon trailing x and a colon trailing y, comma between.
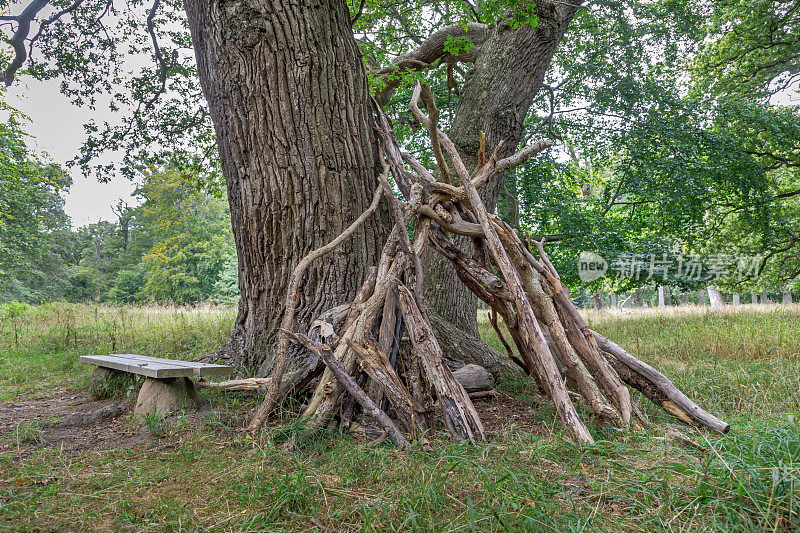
x: 162, y: 397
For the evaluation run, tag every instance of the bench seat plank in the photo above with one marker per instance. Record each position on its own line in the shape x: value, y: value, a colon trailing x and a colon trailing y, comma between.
x: 156, y: 367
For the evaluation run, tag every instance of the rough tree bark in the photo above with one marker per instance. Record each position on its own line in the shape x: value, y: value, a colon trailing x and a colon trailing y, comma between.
x: 288, y: 96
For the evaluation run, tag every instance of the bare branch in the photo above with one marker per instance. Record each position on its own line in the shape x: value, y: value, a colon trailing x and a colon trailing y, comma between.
x: 490, y: 169
x: 549, y: 119
x: 162, y: 65
x: 397, y: 212
x: 17, y: 41
x: 433, y: 125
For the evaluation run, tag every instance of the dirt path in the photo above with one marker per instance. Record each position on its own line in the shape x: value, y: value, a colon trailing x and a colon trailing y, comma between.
x: 29, y: 425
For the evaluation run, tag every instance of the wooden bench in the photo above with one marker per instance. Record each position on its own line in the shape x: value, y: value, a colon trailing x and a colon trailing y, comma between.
x: 167, y: 387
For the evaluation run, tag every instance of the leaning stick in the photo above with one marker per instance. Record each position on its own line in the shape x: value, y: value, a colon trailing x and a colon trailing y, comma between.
x: 384, y: 377
x: 400, y: 221
x: 290, y: 307
x: 325, y: 353
x: 464, y: 422
x: 545, y: 362
x: 658, y: 388
x: 433, y: 115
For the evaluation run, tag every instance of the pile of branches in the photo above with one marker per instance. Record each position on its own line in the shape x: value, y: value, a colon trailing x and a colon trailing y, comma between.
x: 358, y: 356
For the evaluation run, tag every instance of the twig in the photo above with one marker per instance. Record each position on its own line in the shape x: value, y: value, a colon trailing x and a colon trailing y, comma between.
x: 400, y: 220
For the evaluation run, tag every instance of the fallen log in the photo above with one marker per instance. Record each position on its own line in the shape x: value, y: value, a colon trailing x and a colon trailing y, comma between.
x: 480, y: 395
x: 657, y: 387
x: 248, y: 384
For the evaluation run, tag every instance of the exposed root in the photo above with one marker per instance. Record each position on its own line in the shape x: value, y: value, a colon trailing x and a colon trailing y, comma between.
x: 93, y: 417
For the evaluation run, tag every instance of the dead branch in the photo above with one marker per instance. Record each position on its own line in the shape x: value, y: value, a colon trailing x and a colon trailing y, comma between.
x: 455, y: 402
x: 248, y: 384
x: 324, y: 352
x: 658, y: 388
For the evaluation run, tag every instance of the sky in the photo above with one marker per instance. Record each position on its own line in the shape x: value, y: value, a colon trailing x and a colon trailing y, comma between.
x: 57, y: 130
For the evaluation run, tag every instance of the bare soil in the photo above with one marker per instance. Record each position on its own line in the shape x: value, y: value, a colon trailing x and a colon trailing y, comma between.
x: 504, y: 411
x: 28, y: 425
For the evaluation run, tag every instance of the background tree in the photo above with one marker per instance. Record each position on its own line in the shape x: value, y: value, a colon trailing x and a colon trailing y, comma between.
x: 192, y: 238
x: 33, y: 226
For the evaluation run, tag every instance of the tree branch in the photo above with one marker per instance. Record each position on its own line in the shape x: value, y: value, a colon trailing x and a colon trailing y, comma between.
x: 69, y: 9
x: 431, y: 50
x: 17, y: 41
x: 162, y: 65
x: 358, y: 14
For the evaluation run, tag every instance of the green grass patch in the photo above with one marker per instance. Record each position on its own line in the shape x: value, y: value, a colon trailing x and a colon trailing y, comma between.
x: 40, y: 350
x: 742, y: 366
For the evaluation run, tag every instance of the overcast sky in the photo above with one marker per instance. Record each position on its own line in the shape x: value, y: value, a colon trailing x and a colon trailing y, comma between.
x: 57, y: 128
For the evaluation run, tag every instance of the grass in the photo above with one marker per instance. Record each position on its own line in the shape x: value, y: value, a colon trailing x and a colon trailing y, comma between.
x: 742, y: 365
x: 39, y: 352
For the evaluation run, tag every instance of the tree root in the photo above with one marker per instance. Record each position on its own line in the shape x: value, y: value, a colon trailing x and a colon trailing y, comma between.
x: 92, y: 417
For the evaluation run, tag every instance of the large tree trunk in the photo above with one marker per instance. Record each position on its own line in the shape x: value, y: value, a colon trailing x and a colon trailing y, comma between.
x: 508, y: 73
x: 287, y: 92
